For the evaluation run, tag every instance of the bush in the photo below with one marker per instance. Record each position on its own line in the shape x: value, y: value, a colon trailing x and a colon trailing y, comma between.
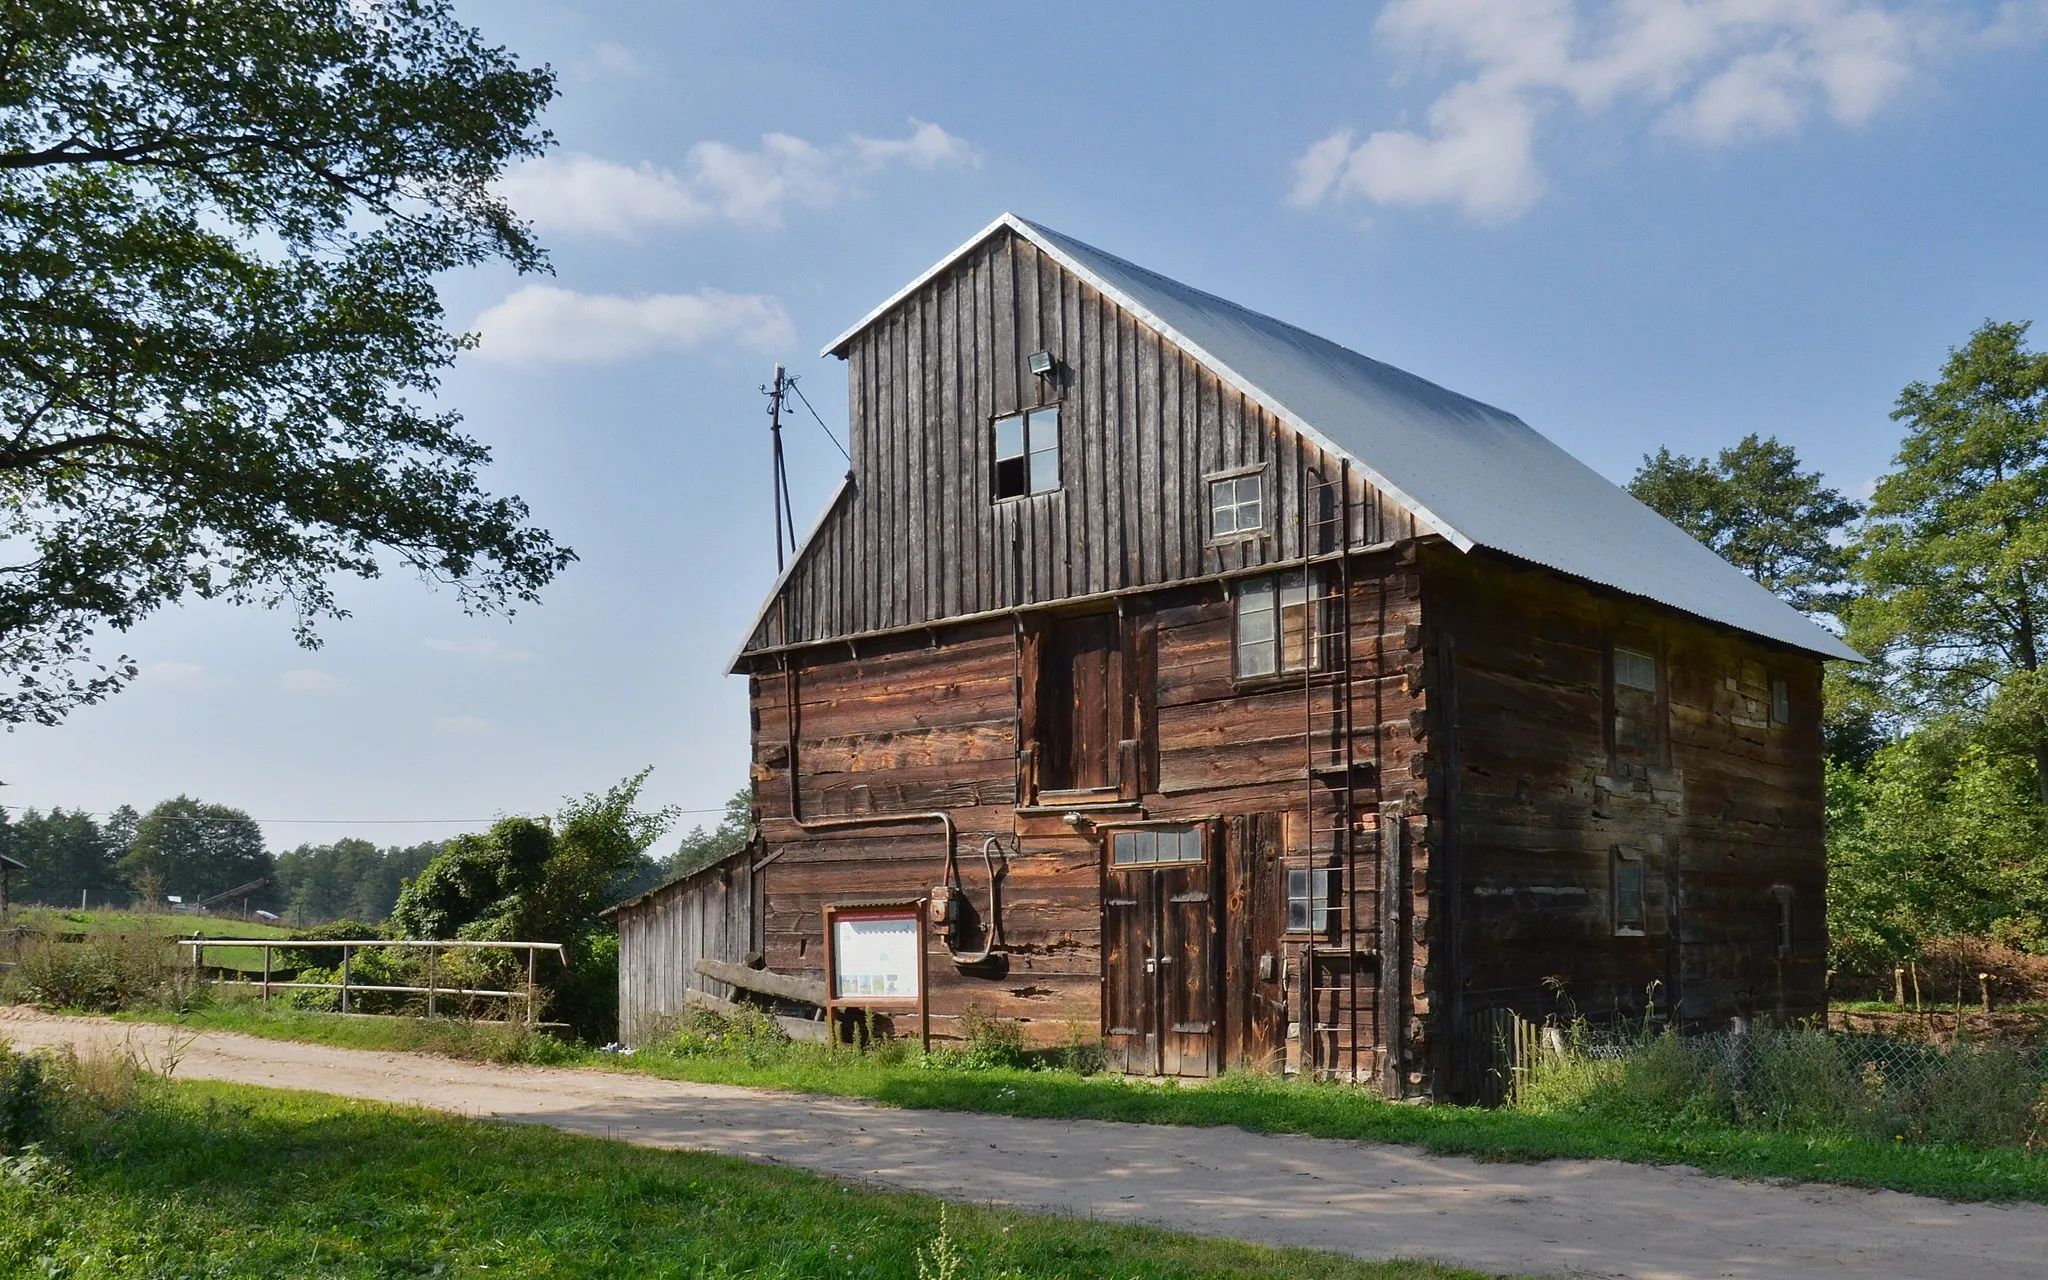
x: 990, y: 1042
x: 107, y: 973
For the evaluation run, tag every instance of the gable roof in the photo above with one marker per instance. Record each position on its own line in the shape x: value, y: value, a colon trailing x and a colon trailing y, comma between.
x: 1479, y: 476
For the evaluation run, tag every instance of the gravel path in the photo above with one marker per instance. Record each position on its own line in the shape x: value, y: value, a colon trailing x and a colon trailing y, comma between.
x: 1560, y: 1217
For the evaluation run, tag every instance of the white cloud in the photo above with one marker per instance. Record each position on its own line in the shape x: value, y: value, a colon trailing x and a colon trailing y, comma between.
x: 307, y: 680
x: 541, y: 323
x: 577, y: 193
x: 465, y: 725
x: 179, y: 675
x: 1712, y: 72
x: 476, y: 647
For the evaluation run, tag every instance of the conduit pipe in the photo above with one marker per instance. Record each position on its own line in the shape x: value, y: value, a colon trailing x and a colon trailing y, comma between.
x: 945, y: 820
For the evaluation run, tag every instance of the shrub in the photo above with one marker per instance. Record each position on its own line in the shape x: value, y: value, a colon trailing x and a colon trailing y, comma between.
x: 107, y: 973
x: 990, y: 1042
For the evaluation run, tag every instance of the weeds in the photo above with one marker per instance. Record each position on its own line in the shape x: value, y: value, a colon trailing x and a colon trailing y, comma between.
x: 1797, y: 1081
x: 105, y: 973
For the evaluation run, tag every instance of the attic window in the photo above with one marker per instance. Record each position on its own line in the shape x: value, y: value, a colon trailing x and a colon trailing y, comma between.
x: 1028, y: 453
x: 1633, y: 670
x: 1237, y: 506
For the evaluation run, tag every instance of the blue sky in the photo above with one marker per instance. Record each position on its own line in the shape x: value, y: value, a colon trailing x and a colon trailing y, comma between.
x: 1637, y: 224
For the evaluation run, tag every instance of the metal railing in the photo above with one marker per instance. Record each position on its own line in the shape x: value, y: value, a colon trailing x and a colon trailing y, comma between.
x: 433, y: 991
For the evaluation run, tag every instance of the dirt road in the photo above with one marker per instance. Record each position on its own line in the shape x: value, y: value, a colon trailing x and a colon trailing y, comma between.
x: 1563, y: 1217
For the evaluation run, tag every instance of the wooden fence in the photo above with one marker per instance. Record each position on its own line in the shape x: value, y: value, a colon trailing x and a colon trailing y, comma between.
x: 663, y: 933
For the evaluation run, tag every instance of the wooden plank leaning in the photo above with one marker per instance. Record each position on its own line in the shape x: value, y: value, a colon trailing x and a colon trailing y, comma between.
x: 766, y: 982
x: 795, y: 1028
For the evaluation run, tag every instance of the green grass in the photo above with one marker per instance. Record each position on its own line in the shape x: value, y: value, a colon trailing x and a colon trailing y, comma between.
x: 231, y: 1181
x: 1256, y: 1103
x: 160, y: 924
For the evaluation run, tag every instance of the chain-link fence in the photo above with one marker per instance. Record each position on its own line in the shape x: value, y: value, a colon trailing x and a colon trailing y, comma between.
x: 1798, y: 1079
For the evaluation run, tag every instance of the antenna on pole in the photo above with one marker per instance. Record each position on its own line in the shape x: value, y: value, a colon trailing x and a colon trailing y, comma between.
x: 784, y: 519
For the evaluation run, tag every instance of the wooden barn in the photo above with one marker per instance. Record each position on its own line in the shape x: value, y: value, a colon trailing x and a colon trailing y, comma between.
x: 1166, y: 673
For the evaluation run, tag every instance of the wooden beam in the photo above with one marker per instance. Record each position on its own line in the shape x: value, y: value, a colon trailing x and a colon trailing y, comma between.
x: 807, y: 990
x: 795, y: 1028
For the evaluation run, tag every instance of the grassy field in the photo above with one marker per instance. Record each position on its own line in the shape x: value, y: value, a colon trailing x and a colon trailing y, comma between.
x: 1256, y: 1103
x: 221, y: 1180
x: 158, y: 924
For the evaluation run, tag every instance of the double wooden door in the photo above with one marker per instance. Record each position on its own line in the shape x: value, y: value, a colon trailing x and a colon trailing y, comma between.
x: 1159, y: 997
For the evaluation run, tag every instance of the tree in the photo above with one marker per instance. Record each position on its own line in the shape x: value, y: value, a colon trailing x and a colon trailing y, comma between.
x: 1756, y: 509
x: 194, y: 850
x: 220, y: 227
x: 1954, y: 563
x: 702, y: 848
x: 67, y: 853
x: 349, y: 878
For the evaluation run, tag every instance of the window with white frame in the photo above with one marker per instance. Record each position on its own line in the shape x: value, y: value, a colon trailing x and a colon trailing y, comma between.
x: 1028, y: 452
x: 1152, y: 846
x: 1634, y: 669
x: 1310, y: 890
x: 1276, y: 624
x: 1237, y: 506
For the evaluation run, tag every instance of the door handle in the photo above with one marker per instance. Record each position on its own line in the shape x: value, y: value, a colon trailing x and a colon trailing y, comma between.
x: 1151, y: 966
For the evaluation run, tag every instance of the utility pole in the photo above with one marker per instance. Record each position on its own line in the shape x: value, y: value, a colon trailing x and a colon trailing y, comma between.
x: 779, y: 478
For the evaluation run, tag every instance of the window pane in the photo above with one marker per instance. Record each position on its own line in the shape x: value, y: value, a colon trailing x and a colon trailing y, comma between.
x: 1010, y: 437
x: 1255, y: 628
x: 1120, y: 849
x: 1191, y: 844
x: 1222, y: 514
x: 1010, y: 478
x: 1251, y: 515
x: 1635, y: 670
x: 1294, y: 636
x: 1255, y: 659
x: 1255, y: 593
x: 1148, y: 845
x: 1045, y: 471
x: 1045, y: 429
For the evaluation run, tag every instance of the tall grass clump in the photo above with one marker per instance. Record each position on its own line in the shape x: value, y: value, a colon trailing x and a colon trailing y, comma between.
x: 105, y: 973
x: 1799, y: 1080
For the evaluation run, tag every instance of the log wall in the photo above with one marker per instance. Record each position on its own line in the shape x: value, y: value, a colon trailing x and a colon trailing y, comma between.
x: 1553, y: 767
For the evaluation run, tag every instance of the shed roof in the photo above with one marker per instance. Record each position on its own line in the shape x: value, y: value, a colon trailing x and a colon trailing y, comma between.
x: 16, y: 863
x: 1478, y: 475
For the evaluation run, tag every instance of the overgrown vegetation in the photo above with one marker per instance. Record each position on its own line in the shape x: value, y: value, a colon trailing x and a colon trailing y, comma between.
x: 107, y: 1170
x: 1797, y: 1081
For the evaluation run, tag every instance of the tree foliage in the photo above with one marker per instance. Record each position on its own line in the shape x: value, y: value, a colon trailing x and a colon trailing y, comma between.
x: 1954, y: 557
x: 348, y: 878
x: 1756, y: 509
x: 67, y: 854
x: 220, y: 225
x: 192, y: 850
x: 533, y: 879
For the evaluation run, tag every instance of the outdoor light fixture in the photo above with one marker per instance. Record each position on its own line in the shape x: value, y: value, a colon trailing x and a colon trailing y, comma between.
x: 1039, y: 362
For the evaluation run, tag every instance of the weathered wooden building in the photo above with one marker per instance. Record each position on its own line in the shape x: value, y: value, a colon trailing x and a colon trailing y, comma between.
x: 1166, y: 672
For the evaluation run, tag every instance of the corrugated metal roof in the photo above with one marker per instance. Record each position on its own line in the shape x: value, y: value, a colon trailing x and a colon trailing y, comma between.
x: 1478, y: 475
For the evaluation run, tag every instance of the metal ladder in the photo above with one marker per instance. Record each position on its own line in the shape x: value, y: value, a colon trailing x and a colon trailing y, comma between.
x: 1330, y: 778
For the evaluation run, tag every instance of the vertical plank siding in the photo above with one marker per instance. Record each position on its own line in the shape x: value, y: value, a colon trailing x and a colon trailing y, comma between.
x: 918, y: 539
x: 664, y: 933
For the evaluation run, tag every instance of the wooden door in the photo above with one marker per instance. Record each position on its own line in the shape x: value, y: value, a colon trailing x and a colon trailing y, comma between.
x: 1079, y: 697
x: 1253, y: 909
x: 1159, y: 1006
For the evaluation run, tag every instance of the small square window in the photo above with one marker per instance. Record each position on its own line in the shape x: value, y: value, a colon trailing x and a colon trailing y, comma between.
x: 1781, y: 700
x: 1634, y: 670
x: 1628, y: 890
x: 1309, y: 893
x: 1027, y: 452
x: 1237, y: 506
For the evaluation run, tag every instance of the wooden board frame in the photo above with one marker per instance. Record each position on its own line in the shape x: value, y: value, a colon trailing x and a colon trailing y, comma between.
x: 914, y: 909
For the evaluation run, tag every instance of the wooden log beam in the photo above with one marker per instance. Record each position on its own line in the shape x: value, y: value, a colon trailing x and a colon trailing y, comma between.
x: 767, y: 982
x: 795, y: 1028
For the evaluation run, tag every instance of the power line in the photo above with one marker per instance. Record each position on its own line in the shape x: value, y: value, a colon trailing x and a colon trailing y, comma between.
x: 791, y: 383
